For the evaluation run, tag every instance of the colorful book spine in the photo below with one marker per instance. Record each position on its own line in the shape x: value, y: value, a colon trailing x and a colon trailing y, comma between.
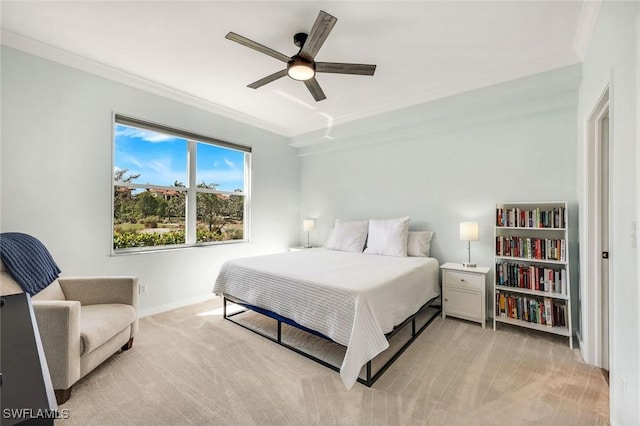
x: 531, y: 277
x: 534, y: 218
x: 531, y: 248
x: 543, y: 311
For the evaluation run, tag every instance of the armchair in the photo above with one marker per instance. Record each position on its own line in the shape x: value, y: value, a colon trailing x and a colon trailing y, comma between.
x: 82, y: 322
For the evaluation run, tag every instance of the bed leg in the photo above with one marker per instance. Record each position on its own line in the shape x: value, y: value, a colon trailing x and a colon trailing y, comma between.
x: 279, y: 331
x: 369, y: 373
x: 224, y: 307
x: 413, y: 327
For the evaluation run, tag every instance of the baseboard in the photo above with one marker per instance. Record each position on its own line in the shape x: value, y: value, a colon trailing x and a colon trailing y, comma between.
x: 175, y: 305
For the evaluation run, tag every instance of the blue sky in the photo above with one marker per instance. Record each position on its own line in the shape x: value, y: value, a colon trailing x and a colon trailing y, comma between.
x: 162, y: 159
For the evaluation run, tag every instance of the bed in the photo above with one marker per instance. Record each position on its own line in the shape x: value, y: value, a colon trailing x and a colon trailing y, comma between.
x: 357, y: 300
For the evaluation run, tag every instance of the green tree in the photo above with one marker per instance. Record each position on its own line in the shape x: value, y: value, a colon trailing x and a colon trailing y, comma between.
x: 237, y: 206
x: 123, y: 201
x: 176, y: 205
x: 162, y: 208
x: 208, y: 207
x: 147, y: 204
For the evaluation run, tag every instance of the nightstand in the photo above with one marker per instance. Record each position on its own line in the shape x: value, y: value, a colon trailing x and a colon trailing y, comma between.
x: 298, y: 248
x: 464, y: 292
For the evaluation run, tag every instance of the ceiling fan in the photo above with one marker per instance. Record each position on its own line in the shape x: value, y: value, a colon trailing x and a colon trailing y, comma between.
x: 302, y: 65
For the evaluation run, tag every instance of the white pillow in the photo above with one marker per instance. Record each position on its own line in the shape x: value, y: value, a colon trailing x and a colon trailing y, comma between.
x: 348, y: 236
x: 419, y: 243
x: 388, y: 237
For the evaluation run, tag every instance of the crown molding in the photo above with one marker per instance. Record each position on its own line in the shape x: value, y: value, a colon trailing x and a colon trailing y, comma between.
x: 432, y: 126
x: 475, y: 82
x: 310, y: 141
x: 540, y: 93
x: 49, y: 52
x: 586, y: 24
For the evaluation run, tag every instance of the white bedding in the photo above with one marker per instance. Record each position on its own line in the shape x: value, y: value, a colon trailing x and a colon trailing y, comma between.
x: 353, y: 298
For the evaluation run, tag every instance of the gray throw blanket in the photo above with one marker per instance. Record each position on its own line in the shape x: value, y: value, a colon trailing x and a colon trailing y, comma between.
x: 28, y: 261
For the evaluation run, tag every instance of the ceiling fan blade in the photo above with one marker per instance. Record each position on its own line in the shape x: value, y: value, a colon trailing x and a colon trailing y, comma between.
x: 267, y: 79
x: 314, y: 88
x: 318, y: 34
x: 341, y: 68
x: 257, y: 46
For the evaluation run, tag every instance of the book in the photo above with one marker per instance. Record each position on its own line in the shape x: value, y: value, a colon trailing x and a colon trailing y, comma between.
x: 547, y: 312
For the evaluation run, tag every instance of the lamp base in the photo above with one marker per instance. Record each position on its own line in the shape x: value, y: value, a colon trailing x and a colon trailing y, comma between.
x: 469, y: 265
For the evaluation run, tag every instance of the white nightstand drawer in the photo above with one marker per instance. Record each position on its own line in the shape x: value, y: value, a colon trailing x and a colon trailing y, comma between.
x: 463, y: 279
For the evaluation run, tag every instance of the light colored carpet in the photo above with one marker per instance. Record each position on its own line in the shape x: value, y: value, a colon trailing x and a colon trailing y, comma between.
x: 189, y: 366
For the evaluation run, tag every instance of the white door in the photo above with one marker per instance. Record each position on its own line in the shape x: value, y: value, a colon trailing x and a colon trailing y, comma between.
x: 604, y: 240
x: 596, y: 301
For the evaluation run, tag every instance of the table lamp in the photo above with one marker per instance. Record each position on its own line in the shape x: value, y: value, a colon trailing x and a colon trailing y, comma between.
x: 469, y: 232
x: 308, y: 225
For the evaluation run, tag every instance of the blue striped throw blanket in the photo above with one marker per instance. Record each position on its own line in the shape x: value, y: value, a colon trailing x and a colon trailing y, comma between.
x: 28, y: 261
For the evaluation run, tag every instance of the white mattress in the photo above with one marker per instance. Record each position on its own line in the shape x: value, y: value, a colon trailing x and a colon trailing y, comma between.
x: 353, y: 298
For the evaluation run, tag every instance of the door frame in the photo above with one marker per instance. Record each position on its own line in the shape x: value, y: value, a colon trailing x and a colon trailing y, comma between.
x: 591, y: 269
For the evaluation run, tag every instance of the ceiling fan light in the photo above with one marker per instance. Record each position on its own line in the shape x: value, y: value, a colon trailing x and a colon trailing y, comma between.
x: 300, y: 69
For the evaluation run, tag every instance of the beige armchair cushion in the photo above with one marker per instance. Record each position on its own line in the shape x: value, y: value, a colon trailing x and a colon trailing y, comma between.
x: 101, y: 322
x: 103, y: 290
x: 52, y: 292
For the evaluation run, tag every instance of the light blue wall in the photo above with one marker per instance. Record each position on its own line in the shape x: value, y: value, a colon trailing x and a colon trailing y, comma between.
x: 56, y: 177
x: 611, y: 59
x: 441, y: 163
x: 450, y: 161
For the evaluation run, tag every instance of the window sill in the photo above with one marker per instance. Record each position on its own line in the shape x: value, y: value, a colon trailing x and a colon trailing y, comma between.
x: 161, y: 249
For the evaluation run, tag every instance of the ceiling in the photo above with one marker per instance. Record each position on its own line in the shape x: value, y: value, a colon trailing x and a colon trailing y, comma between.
x: 423, y: 50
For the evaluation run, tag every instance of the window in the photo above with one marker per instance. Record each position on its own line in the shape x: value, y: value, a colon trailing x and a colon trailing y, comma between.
x: 174, y: 188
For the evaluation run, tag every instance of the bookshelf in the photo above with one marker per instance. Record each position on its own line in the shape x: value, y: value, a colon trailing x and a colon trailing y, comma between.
x: 531, y: 288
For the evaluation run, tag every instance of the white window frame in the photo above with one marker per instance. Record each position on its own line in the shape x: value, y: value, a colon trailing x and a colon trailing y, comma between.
x: 191, y: 190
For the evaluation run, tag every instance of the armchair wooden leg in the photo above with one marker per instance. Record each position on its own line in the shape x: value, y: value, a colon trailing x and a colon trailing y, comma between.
x: 128, y: 345
x: 62, y: 395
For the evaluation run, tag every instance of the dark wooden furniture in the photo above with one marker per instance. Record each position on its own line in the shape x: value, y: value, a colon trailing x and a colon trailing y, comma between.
x: 25, y: 387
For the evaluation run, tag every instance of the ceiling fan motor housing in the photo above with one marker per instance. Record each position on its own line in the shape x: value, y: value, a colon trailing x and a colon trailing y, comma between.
x: 299, y: 39
x: 299, y: 68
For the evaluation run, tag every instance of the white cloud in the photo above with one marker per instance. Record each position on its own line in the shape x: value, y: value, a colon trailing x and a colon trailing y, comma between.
x: 161, y: 166
x: 230, y: 163
x: 146, y: 135
x: 126, y: 158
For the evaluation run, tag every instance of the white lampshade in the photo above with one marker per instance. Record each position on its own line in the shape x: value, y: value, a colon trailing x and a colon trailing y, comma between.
x: 309, y: 224
x: 469, y: 231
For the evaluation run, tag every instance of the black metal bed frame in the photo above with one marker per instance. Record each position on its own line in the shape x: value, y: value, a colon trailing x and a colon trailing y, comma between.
x: 370, y: 379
